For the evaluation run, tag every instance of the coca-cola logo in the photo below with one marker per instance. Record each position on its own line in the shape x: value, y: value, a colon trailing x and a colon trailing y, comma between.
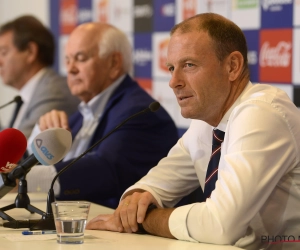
x: 278, y: 56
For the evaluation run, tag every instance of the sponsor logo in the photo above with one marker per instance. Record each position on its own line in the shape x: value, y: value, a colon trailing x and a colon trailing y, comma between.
x: 278, y: 56
x: 68, y: 16
x: 142, y: 56
x: 8, y: 166
x: 163, y: 49
x: 275, y: 55
x: 252, y: 57
x: 274, y: 5
x: 242, y: 4
x: 146, y: 84
x: 84, y: 15
x: 189, y: 8
x: 103, y: 9
x: 44, y: 150
x: 120, y: 12
x: 142, y: 11
x: 168, y: 10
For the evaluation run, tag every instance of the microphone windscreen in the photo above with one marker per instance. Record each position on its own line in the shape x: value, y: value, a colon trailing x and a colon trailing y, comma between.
x: 154, y: 106
x: 17, y: 99
x: 13, y: 145
x: 51, y: 145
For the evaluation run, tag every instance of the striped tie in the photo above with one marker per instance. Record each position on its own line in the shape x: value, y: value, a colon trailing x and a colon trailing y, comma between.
x: 212, y: 170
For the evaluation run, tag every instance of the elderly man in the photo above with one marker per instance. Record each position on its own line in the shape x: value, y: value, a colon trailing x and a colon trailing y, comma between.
x: 26, y: 55
x: 242, y: 148
x: 98, y: 59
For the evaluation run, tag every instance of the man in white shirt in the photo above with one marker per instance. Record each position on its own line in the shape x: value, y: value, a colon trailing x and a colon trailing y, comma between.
x: 26, y: 55
x: 256, y: 200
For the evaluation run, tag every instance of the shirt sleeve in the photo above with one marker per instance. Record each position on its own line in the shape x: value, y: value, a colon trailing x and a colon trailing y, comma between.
x: 43, y: 183
x: 173, y: 178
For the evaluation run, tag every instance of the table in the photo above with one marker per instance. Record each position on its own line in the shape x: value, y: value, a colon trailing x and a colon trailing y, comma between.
x: 101, y: 239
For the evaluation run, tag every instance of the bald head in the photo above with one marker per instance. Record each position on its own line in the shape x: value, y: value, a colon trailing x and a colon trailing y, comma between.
x: 107, y: 38
x: 97, y: 54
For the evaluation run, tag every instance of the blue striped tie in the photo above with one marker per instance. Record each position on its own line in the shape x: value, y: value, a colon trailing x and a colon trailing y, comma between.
x: 212, y: 170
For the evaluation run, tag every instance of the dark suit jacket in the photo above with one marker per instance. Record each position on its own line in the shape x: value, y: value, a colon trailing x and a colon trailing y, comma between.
x: 52, y: 92
x: 125, y: 156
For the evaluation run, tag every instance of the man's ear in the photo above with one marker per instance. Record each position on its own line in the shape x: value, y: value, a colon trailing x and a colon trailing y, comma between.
x: 33, y: 51
x: 116, y: 65
x: 235, y: 65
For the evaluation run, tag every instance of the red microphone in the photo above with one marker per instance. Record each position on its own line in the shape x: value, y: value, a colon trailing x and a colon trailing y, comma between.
x: 13, y: 144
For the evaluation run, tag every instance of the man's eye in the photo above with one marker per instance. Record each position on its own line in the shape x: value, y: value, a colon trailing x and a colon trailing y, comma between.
x: 171, y: 69
x: 189, y: 65
x: 81, y: 58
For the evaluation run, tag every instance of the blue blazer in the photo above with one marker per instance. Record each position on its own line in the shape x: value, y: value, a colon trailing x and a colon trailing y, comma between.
x: 125, y: 156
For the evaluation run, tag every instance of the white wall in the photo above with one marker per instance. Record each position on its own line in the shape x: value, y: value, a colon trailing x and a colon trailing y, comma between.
x: 10, y: 9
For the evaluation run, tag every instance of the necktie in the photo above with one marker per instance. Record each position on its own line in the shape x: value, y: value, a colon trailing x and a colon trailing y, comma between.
x: 14, y: 116
x: 212, y: 170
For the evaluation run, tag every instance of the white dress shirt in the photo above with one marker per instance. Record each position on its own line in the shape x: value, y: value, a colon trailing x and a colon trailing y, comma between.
x: 257, y: 193
x: 26, y: 94
x: 40, y: 177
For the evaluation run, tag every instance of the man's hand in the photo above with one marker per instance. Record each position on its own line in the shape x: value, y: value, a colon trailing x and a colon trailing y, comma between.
x: 103, y: 222
x: 54, y: 119
x: 131, y: 210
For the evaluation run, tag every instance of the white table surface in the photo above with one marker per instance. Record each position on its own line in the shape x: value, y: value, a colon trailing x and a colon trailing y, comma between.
x: 102, y: 239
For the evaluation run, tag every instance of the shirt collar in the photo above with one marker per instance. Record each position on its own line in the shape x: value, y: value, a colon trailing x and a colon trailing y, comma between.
x: 223, y: 123
x: 96, y: 105
x: 28, y: 89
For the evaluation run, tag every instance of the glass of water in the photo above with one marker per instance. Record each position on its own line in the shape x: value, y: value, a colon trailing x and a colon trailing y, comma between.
x: 70, y: 220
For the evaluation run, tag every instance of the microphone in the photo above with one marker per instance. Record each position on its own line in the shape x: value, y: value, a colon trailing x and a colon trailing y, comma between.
x: 47, y: 221
x: 48, y: 147
x: 12, y: 147
x: 16, y: 99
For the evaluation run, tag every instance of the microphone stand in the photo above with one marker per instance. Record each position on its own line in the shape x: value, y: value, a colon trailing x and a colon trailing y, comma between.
x: 47, y: 221
x: 22, y: 201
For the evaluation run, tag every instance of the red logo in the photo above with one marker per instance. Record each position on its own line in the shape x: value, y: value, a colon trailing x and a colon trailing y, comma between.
x: 189, y: 8
x: 103, y: 9
x: 275, y: 56
x: 163, y: 49
x: 146, y: 84
x: 68, y: 16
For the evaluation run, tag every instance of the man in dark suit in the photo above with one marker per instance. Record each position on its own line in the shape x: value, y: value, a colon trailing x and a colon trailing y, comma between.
x: 98, y: 59
x: 26, y: 55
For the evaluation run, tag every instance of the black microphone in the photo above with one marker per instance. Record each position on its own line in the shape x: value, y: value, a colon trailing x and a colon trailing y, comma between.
x: 17, y: 99
x: 47, y: 221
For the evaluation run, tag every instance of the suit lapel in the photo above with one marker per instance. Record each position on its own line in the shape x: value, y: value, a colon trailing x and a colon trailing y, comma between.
x: 113, y: 100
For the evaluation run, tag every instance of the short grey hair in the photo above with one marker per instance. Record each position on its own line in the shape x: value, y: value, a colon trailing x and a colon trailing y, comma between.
x: 114, y: 40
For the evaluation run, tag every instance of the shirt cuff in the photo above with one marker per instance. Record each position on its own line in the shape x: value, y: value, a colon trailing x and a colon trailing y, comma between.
x: 177, y: 223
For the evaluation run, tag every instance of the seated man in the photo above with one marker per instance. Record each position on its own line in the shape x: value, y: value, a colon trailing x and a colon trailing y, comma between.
x: 250, y: 177
x: 98, y: 59
x: 26, y: 55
